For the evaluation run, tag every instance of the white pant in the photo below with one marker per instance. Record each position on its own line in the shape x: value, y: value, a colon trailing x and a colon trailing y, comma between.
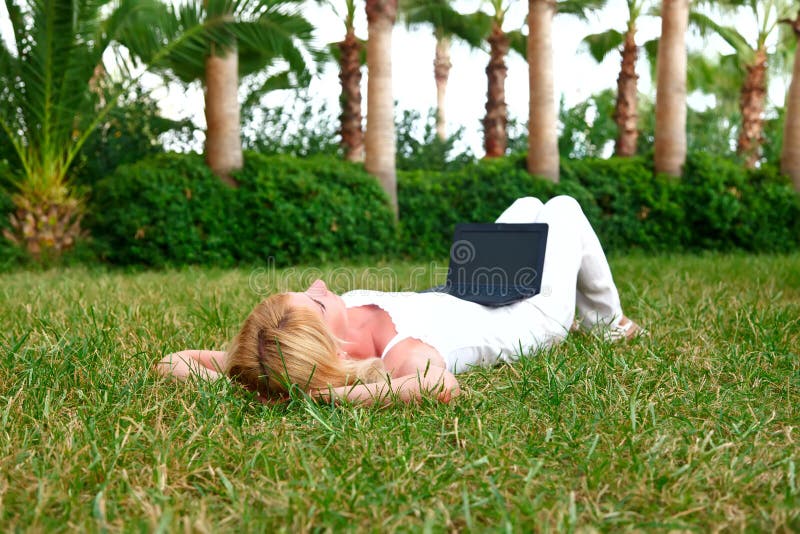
x: 575, y: 270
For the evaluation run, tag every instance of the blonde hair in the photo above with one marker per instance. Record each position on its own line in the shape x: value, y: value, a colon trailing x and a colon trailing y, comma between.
x: 280, y: 345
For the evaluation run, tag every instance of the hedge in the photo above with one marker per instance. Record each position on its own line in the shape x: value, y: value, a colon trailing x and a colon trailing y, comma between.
x: 430, y: 203
x: 171, y: 210
x: 717, y: 205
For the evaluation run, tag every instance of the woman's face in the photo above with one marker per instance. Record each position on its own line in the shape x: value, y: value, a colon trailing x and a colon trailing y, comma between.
x: 330, y: 306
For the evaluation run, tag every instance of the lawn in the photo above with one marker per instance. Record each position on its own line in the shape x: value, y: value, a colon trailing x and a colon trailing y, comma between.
x: 695, y: 427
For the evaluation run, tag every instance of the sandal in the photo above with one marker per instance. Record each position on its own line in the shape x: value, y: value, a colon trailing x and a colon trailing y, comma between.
x: 625, y: 330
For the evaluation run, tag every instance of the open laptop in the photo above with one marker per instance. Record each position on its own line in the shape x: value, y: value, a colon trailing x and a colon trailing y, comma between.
x: 495, y: 264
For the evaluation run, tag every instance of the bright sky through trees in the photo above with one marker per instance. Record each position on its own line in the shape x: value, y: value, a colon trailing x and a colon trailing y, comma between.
x: 577, y: 76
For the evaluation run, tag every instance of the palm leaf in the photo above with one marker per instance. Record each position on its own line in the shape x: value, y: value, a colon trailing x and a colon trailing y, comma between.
x: 274, y: 82
x: 782, y: 60
x: 518, y: 42
x: 601, y: 44
x: 651, y: 53
x: 579, y: 8
x: 725, y: 5
x: 47, y: 111
x: 445, y: 20
x: 49, y: 97
x: 333, y: 53
x: 261, y: 31
x: 706, y: 25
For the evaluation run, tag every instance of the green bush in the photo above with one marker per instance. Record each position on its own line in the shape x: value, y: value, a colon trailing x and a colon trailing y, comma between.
x: 432, y: 202
x: 171, y: 210
x: 728, y: 207
x: 718, y: 205
x: 168, y: 209
x: 634, y: 209
x: 132, y: 131
x: 310, y: 210
x: 773, y: 209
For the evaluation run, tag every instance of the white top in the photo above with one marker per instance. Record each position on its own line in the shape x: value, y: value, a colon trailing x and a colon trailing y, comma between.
x: 465, y: 334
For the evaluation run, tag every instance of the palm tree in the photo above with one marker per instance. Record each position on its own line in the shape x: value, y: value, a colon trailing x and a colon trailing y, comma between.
x: 254, y: 34
x: 752, y: 59
x: 790, y: 152
x: 350, y: 54
x: 380, y: 137
x: 495, y: 123
x: 447, y: 23
x: 626, y: 110
x: 542, y: 133
x: 223, y: 134
x: 50, y: 102
x: 670, y: 131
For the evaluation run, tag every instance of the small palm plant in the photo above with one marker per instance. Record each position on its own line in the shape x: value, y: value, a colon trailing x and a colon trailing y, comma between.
x: 51, y: 95
x: 47, y: 110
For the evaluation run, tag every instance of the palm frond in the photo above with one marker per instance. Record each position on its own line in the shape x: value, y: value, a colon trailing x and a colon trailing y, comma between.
x: 579, y: 8
x: 724, y: 5
x: 332, y: 53
x: 18, y: 26
x: 256, y: 28
x: 471, y: 28
x: 706, y: 25
x: 782, y: 60
x: 721, y: 76
x: 651, y: 53
x: 48, y: 108
x: 518, y: 42
x: 601, y: 44
x: 48, y: 95
x: 274, y: 82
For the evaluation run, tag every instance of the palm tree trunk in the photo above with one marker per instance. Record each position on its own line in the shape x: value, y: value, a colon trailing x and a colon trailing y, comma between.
x: 223, y: 129
x: 350, y: 78
x: 380, y: 137
x: 542, y: 135
x: 626, y: 113
x: 751, y: 104
x: 670, y: 132
x: 790, y: 152
x: 441, y: 72
x: 495, y: 136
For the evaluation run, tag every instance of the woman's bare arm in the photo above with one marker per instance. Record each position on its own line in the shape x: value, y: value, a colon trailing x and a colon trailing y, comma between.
x: 434, y: 381
x: 205, y: 364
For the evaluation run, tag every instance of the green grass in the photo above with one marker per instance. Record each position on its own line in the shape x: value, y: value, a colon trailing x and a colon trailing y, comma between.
x: 696, y: 427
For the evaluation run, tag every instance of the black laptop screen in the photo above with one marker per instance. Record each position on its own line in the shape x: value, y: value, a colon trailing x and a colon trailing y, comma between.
x: 495, y: 264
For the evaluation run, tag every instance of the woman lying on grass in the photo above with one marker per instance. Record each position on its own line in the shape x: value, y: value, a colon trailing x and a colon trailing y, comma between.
x: 370, y: 346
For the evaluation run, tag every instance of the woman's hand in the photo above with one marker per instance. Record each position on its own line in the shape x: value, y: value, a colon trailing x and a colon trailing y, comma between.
x: 203, y: 364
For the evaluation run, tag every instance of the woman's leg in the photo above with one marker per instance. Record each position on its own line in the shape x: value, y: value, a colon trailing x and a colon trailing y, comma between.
x: 575, y: 267
x: 576, y: 271
x: 523, y: 210
x: 561, y: 264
